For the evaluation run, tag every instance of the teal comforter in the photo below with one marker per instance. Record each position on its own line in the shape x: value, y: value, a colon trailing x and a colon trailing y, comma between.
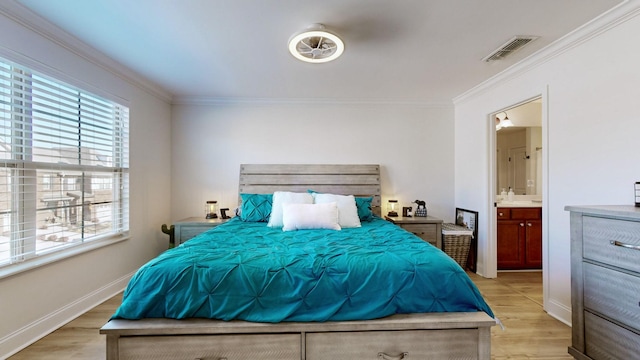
x: 248, y: 271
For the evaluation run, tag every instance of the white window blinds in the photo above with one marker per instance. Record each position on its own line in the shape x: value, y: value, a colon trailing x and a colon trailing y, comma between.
x: 64, y: 165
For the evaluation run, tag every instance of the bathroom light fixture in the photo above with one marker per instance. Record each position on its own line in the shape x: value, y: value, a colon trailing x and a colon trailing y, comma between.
x: 505, y: 122
x: 316, y: 44
x: 498, y: 124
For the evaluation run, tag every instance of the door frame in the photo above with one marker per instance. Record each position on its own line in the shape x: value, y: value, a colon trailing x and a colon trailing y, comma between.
x: 491, y: 246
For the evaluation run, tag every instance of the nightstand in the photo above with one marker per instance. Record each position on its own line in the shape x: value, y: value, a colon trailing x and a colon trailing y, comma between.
x: 427, y: 228
x: 187, y: 228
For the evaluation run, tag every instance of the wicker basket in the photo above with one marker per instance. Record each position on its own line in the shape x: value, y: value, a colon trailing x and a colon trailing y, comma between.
x: 456, y: 241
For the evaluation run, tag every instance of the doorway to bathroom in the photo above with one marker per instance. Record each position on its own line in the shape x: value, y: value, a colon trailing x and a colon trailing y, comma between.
x: 519, y: 149
x: 517, y: 189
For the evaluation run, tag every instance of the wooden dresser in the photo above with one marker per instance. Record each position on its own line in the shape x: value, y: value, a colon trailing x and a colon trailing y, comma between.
x: 605, y: 282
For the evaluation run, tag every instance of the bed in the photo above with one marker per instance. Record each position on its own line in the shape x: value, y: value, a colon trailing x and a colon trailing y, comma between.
x: 371, y: 291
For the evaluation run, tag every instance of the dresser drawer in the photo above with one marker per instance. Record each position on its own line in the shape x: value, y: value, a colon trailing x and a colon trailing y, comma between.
x: 231, y: 347
x: 606, y: 340
x: 613, y: 294
x: 418, y: 344
x: 427, y: 232
x: 598, y: 235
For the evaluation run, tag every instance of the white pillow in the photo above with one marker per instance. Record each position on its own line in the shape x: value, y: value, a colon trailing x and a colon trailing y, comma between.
x: 310, y: 216
x: 285, y: 197
x: 347, y: 209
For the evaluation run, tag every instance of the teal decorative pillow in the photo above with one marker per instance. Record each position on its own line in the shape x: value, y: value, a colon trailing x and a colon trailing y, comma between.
x: 362, y: 203
x: 256, y: 207
x: 364, y: 208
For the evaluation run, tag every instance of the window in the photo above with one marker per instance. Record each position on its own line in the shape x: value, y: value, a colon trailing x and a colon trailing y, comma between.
x: 46, y: 182
x: 101, y: 183
x: 64, y: 166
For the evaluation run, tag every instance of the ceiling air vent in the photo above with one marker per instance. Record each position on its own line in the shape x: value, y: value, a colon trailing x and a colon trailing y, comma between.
x: 509, y: 47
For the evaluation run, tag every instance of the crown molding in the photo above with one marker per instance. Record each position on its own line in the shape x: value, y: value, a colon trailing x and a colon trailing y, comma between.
x: 207, y: 101
x: 608, y: 20
x: 20, y: 14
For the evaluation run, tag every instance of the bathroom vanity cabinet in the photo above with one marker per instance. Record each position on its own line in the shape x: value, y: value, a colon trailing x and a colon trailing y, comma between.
x: 519, y: 239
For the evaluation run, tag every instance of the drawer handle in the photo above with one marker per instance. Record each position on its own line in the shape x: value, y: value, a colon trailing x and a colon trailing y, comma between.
x: 522, y: 224
x: 621, y: 244
x: 384, y: 356
x: 204, y: 359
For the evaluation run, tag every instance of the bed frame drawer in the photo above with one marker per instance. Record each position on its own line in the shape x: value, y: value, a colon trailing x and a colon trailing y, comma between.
x: 231, y: 347
x: 386, y: 345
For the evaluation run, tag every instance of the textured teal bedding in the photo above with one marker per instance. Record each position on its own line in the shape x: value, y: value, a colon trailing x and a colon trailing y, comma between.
x: 248, y: 271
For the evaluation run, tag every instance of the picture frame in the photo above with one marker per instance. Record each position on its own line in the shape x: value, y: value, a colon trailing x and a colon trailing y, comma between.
x: 469, y: 219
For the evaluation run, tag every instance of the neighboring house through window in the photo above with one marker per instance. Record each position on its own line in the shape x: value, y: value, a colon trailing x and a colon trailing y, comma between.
x: 64, y: 166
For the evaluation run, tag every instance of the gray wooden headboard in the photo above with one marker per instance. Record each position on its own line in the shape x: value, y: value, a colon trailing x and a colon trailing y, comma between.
x: 358, y: 180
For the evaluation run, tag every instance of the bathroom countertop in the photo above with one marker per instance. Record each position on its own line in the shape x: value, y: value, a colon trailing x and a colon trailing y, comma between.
x: 519, y: 203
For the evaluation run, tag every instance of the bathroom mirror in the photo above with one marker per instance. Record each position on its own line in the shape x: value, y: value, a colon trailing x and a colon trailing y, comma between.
x: 519, y: 149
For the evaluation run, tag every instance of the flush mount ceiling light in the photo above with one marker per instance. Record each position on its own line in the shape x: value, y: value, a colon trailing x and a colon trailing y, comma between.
x: 316, y: 45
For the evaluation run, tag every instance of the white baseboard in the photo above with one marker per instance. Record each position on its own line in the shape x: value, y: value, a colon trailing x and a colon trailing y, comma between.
x: 27, y: 335
x: 558, y: 311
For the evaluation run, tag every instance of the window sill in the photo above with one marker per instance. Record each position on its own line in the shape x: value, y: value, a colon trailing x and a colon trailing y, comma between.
x: 42, y: 260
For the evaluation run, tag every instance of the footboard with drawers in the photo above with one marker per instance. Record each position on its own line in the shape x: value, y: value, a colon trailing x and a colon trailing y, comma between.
x: 412, y: 336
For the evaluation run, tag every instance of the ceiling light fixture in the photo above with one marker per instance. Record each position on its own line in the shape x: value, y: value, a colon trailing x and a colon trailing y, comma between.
x: 316, y: 45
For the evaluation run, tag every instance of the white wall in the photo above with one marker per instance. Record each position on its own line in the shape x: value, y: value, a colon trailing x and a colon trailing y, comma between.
x: 35, y: 302
x: 592, y: 122
x: 412, y: 143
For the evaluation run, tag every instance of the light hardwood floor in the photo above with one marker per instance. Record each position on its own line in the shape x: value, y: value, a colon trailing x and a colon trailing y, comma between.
x: 515, y: 297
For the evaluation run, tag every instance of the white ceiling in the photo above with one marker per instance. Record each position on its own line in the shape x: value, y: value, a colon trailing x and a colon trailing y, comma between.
x: 423, y: 51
